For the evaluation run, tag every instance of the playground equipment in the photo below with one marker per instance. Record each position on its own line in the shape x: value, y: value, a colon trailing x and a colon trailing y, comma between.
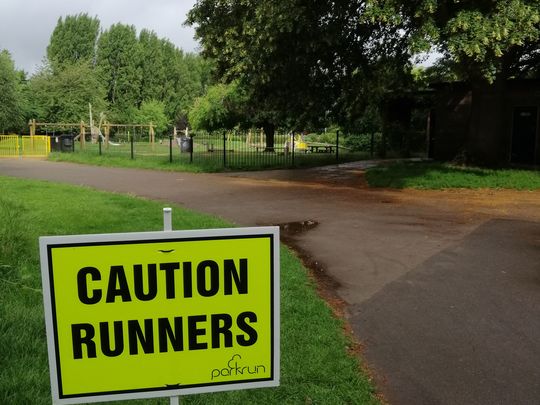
x: 300, y: 145
x: 251, y: 140
x: 102, y: 131
x: 96, y: 131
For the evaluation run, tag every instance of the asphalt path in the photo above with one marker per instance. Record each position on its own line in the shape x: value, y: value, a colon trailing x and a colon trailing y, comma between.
x: 441, y: 288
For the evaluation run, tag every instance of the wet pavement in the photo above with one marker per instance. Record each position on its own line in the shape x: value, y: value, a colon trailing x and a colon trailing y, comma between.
x: 462, y: 327
x: 419, y: 273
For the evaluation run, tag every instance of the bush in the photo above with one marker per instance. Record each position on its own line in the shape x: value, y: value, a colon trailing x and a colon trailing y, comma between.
x: 362, y: 142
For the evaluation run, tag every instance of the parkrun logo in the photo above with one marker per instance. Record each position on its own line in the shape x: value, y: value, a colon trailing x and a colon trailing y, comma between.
x: 234, y: 369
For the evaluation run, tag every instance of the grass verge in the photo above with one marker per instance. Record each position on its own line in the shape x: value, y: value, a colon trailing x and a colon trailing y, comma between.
x: 148, y: 162
x: 315, y: 365
x: 201, y: 164
x: 429, y: 175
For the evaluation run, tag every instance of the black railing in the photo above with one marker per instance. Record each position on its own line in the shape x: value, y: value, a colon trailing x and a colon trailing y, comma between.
x: 237, y: 150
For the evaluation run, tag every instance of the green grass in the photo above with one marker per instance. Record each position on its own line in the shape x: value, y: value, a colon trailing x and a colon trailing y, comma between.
x: 429, y: 175
x: 210, y: 163
x: 315, y: 365
x: 147, y: 162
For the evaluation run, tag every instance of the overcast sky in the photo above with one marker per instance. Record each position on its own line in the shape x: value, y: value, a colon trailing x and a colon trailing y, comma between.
x: 26, y: 25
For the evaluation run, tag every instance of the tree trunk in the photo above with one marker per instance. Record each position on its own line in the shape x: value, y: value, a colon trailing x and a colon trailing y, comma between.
x: 269, y: 132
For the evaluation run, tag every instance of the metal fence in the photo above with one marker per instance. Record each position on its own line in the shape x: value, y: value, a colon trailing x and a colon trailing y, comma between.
x: 240, y: 150
x: 24, y: 146
x: 232, y: 150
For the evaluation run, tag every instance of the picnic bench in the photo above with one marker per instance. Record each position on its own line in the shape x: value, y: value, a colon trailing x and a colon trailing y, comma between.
x: 321, y: 148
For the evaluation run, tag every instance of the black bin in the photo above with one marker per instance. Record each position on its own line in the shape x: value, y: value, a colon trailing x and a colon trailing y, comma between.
x: 62, y: 143
x: 186, y: 144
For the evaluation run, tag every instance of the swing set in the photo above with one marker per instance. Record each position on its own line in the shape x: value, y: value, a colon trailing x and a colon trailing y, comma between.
x: 95, y: 133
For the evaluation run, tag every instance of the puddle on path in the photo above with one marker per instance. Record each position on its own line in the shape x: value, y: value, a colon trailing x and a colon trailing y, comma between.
x: 289, y: 232
x: 291, y: 229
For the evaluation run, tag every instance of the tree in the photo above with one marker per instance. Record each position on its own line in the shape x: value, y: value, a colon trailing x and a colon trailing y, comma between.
x: 73, y: 41
x: 219, y: 108
x: 63, y: 96
x: 485, y: 42
x: 170, y: 75
x: 153, y: 66
x: 118, y: 62
x: 153, y: 111
x: 191, y: 78
x: 11, y: 97
x: 293, y: 59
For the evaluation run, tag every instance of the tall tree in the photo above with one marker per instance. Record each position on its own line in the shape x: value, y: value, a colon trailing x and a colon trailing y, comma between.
x: 73, y: 40
x: 118, y: 61
x: 63, y: 96
x: 11, y: 97
x: 170, y: 75
x: 153, y: 66
x: 485, y: 41
x: 191, y: 76
x: 294, y: 59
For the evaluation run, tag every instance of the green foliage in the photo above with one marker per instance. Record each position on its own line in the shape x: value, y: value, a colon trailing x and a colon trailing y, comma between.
x: 153, y: 111
x: 486, y: 39
x: 118, y: 59
x: 11, y: 95
x: 297, y: 64
x: 133, y: 72
x: 170, y: 75
x: 73, y: 41
x: 191, y: 75
x: 328, y: 137
x: 219, y: 108
x: 153, y: 66
x: 363, y: 142
x: 64, y: 95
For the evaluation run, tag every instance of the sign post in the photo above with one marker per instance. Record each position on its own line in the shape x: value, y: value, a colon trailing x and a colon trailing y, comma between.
x: 167, y: 226
x: 161, y: 314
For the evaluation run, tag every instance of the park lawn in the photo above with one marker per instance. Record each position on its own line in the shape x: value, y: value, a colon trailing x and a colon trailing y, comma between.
x: 158, y: 159
x: 430, y: 175
x: 316, y: 367
x: 124, y: 160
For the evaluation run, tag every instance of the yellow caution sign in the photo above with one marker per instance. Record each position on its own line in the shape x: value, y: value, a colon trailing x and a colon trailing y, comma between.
x: 154, y: 314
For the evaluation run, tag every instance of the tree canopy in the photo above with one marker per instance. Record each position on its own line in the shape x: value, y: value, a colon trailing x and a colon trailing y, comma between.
x: 128, y: 75
x: 153, y: 111
x: 63, y: 96
x: 484, y: 39
x: 485, y: 42
x: 73, y: 40
x: 118, y: 58
x: 220, y: 108
x: 11, y: 96
x: 299, y: 63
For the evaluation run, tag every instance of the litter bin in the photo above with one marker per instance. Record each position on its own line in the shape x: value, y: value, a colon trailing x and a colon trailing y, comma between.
x: 67, y: 143
x: 186, y: 144
x: 62, y: 143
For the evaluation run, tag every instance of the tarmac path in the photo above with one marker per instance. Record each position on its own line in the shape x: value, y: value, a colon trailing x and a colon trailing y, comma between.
x: 442, y: 288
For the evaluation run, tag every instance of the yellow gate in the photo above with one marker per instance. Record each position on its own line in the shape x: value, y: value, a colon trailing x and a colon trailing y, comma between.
x: 24, y: 145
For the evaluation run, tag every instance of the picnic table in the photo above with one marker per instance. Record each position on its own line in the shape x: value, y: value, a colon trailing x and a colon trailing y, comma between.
x: 322, y: 148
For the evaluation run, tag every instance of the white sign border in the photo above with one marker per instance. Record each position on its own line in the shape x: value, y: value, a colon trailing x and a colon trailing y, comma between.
x: 46, y: 241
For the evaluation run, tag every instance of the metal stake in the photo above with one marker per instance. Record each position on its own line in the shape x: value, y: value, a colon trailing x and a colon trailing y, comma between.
x: 167, y: 226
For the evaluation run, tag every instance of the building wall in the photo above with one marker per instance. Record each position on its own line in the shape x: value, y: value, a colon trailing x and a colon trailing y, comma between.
x: 485, y: 136
x: 449, y: 121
